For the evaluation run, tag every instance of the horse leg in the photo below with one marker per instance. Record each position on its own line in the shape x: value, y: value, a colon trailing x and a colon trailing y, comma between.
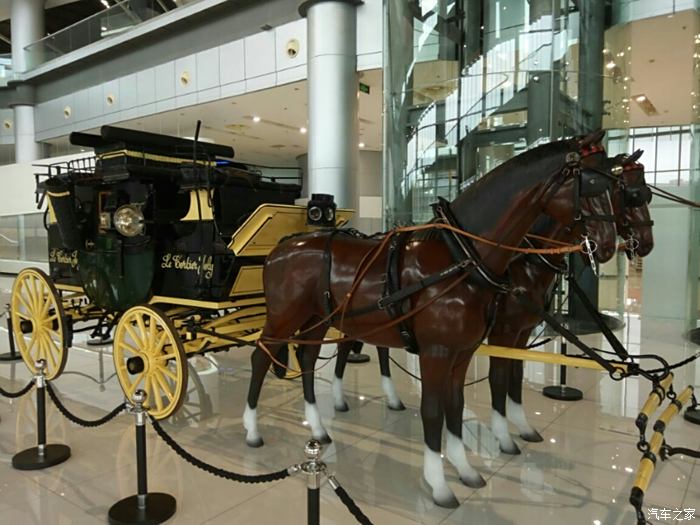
x: 435, y: 366
x: 260, y: 362
x: 514, y: 403
x: 307, y: 361
x: 454, y: 407
x: 388, y: 386
x: 499, y: 375
x: 341, y: 360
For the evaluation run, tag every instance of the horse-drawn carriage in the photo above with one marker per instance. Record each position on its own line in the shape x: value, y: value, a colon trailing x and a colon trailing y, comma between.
x: 161, y: 239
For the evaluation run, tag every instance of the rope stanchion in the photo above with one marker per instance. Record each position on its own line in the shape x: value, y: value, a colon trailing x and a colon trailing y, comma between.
x: 43, y: 455
x: 12, y: 355
x: 211, y: 469
x: 349, y: 502
x: 144, y: 507
x: 562, y: 392
x: 19, y: 393
x: 79, y: 421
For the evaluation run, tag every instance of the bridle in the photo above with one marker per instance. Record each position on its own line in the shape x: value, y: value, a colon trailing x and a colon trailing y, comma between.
x: 633, y: 195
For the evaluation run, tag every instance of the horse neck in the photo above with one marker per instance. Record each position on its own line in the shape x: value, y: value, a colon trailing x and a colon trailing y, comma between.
x: 503, y: 205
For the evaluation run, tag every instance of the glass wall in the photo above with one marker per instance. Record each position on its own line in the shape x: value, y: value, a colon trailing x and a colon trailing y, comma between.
x: 471, y: 83
x: 23, y: 238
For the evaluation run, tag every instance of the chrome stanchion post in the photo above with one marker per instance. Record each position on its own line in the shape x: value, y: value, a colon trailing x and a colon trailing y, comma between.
x: 12, y: 355
x: 314, y: 469
x: 43, y: 455
x: 143, y: 507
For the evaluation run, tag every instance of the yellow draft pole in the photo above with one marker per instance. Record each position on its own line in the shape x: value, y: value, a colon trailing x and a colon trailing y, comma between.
x: 656, y: 397
x: 543, y: 357
x: 648, y: 461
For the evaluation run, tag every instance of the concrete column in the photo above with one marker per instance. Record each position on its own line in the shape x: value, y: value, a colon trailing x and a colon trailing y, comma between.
x: 27, y: 149
x: 333, y: 87
x: 27, y: 24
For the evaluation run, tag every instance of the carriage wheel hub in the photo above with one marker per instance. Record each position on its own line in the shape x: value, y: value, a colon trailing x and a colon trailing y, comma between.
x: 135, y: 365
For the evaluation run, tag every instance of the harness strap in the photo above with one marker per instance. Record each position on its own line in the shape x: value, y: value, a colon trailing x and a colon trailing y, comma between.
x: 570, y: 336
x: 539, y: 258
x: 327, y: 297
x: 392, y: 285
x: 605, y: 329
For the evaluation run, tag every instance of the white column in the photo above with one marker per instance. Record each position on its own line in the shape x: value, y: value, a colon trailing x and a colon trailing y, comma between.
x: 27, y: 25
x: 333, y: 87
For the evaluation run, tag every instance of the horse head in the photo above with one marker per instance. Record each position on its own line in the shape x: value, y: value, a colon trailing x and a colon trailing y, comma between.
x: 630, y: 199
x: 583, y: 200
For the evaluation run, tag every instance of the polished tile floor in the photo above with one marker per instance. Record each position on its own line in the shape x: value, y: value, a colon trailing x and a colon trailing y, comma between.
x: 580, y: 474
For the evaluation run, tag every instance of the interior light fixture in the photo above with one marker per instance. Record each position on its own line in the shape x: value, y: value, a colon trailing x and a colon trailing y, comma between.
x: 105, y: 3
x: 256, y: 118
x: 302, y: 130
x: 361, y: 144
x: 640, y: 98
x: 610, y: 65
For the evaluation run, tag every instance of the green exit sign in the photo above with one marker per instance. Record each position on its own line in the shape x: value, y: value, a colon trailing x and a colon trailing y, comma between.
x: 364, y: 88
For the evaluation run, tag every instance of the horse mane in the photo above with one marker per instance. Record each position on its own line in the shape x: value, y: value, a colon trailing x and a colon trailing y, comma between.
x: 472, y: 207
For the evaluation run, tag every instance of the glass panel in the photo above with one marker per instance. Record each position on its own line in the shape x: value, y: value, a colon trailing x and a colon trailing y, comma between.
x: 23, y: 237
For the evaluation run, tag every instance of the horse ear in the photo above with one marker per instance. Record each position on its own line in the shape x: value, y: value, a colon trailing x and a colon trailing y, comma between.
x: 635, y: 156
x: 592, y: 138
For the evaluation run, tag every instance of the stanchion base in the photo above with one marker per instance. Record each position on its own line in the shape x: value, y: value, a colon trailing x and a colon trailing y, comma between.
x: 358, y: 358
x: 692, y: 415
x: 31, y: 460
x: 159, y: 508
x: 562, y: 393
x: 9, y: 357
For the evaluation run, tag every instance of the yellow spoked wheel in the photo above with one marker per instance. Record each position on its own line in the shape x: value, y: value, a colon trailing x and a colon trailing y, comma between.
x: 294, y: 369
x: 148, y: 355
x: 38, y: 321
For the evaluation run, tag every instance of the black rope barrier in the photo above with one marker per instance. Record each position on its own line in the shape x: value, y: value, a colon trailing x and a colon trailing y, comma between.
x: 349, y: 502
x: 19, y: 393
x: 211, y: 469
x: 78, y: 420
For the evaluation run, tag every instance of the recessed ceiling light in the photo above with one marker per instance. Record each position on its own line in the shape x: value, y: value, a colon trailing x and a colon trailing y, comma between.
x: 302, y: 130
x: 105, y: 3
x: 256, y: 118
x: 361, y: 144
x: 640, y: 98
x: 610, y: 65
x: 103, y: 28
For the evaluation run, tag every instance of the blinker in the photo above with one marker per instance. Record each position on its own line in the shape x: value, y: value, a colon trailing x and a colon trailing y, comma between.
x: 637, y: 195
x: 593, y: 184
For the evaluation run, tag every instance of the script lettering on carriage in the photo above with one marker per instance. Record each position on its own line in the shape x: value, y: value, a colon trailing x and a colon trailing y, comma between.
x: 186, y: 263
x: 64, y: 257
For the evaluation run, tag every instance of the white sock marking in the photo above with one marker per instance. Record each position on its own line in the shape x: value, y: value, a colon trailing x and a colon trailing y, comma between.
x: 250, y: 423
x: 458, y: 457
x: 390, y: 392
x: 516, y: 415
x: 313, y: 416
x: 338, y: 394
x: 499, y: 427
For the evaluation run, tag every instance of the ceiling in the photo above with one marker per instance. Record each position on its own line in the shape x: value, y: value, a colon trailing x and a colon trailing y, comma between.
x: 274, y: 140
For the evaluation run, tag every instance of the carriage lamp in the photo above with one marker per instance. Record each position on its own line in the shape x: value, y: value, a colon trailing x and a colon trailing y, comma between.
x: 128, y: 220
x: 320, y: 211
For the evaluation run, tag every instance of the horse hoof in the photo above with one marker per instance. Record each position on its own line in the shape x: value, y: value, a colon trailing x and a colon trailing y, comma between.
x: 475, y: 482
x: 511, y: 449
x: 325, y: 439
x: 254, y: 443
x: 397, y: 406
x: 532, y: 437
x: 342, y: 407
x: 447, y: 500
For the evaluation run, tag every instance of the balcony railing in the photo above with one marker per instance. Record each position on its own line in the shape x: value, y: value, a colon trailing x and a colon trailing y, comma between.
x: 115, y: 20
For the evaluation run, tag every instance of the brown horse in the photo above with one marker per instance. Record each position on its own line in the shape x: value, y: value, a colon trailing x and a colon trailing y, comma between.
x: 514, y: 323
x: 452, y: 316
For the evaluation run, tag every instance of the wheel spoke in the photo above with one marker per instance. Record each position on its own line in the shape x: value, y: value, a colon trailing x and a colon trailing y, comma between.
x: 126, y: 346
x: 49, y: 353
x: 164, y: 385
x: 34, y: 295
x: 156, y: 393
x: 133, y: 335
x: 133, y: 386
x: 24, y: 303
x: 172, y: 375
x: 165, y: 357
x: 142, y: 331
x: 23, y: 316
x: 161, y: 342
